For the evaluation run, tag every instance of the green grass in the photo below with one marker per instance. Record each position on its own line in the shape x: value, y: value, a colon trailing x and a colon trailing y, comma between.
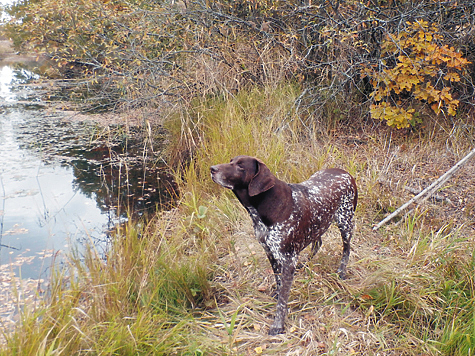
x: 140, y: 301
x: 428, y: 291
x: 192, y: 281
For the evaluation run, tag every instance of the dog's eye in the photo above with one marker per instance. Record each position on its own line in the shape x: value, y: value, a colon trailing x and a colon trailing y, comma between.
x: 240, y: 167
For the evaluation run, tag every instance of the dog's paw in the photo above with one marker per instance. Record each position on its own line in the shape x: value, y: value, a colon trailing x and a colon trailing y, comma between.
x: 276, y: 330
x: 342, y: 274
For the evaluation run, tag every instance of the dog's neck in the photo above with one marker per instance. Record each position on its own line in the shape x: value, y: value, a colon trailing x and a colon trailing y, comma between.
x: 273, y: 205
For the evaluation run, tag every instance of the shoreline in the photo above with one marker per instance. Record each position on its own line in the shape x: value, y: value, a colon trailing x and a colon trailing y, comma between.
x: 9, y: 56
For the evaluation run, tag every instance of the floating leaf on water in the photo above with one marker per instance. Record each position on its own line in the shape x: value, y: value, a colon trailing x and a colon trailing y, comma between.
x: 21, y: 260
x: 16, y: 231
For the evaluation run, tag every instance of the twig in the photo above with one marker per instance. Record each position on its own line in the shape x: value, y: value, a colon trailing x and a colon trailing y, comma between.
x: 435, y: 197
x: 430, y: 190
x: 8, y: 246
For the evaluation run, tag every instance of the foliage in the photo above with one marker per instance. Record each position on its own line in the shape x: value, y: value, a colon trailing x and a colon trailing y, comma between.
x: 139, y: 301
x: 421, y: 69
x: 121, y: 48
x: 433, y: 287
x: 136, y: 53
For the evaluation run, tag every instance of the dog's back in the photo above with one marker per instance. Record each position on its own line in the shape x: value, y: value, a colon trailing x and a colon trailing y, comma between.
x: 317, y: 202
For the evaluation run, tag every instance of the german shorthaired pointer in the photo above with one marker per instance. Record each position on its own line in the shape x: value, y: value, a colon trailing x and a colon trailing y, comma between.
x: 288, y: 217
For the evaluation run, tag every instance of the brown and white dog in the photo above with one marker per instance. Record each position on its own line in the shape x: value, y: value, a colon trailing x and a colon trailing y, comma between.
x: 288, y: 217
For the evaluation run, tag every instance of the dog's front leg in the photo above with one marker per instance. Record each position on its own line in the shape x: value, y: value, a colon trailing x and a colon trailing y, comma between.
x: 276, y: 268
x: 288, y: 264
x: 262, y: 233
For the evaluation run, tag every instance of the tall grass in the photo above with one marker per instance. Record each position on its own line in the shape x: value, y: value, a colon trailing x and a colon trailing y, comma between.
x: 427, y: 291
x: 140, y: 300
x: 192, y: 281
x: 259, y: 122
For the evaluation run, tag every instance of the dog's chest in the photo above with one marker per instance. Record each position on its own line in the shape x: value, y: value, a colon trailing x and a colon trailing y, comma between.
x: 275, y: 235
x: 260, y: 229
x: 269, y: 237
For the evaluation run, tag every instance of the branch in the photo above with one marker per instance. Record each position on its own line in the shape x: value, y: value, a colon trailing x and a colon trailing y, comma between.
x: 430, y: 190
x: 434, y: 197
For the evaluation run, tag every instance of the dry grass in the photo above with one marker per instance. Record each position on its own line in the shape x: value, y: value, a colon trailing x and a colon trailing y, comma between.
x: 329, y: 316
x: 359, y: 315
x: 197, y: 283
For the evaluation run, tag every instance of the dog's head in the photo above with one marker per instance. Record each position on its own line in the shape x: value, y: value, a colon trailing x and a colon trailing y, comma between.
x: 244, y: 172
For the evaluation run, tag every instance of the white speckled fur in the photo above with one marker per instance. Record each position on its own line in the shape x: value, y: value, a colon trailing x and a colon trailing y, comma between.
x: 308, y: 207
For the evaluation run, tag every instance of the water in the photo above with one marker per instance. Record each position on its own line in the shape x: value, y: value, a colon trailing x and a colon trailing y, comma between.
x: 62, y: 183
x: 41, y: 211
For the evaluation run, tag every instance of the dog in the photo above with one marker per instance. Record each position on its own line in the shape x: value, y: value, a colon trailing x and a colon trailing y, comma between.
x: 289, y: 217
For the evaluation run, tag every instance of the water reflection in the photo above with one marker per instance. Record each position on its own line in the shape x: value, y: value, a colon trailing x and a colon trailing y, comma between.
x: 60, y: 183
x: 40, y: 211
x: 119, y: 177
x: 6, y: 77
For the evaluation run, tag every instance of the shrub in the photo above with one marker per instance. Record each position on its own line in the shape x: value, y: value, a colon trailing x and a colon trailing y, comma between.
x: 416, y: 67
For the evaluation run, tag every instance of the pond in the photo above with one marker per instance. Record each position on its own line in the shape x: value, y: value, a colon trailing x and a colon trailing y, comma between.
x: 64, y: 182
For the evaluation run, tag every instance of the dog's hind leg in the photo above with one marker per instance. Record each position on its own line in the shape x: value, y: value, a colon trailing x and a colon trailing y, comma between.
x: 315, y: 247
x: 344, y: 220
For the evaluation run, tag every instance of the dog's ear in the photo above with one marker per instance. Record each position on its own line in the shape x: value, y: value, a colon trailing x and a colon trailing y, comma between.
x: 262, y: 181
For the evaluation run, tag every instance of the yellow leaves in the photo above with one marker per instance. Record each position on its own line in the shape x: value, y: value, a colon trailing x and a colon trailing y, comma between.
x: 452, y: 107
x: 260, y: 349
x: 445, y: 95
x: 420, y: 64
x: 405, y: 82
x: 418, y: 24
x: 436, y: 107
x: 378, y: 95
x: 394, y: 116
x: 427, y: 93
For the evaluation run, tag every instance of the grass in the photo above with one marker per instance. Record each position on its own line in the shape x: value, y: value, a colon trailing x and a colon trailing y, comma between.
x: 193, y: 281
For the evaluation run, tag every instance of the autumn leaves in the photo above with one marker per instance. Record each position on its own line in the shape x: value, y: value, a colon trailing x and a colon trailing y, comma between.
x: 415, y: 71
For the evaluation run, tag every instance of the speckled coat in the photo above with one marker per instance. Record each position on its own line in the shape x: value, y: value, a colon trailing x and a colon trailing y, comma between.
x: 289, y: 217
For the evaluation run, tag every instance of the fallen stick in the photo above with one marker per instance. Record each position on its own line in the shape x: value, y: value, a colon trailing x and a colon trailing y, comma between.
x: 434, y: 197
x: 431, y: 189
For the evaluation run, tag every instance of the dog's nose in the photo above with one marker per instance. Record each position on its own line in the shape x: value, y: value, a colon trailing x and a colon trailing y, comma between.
x: 213, y: 169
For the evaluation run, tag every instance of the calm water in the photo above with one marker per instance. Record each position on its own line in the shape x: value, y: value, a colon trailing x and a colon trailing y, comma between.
x: 41, y: 210
x: 65, y: 182
x: 61, y: 185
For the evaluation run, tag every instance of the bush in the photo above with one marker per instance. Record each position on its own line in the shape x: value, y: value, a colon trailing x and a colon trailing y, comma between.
x: 156, y: 53
x: 415, y: 67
